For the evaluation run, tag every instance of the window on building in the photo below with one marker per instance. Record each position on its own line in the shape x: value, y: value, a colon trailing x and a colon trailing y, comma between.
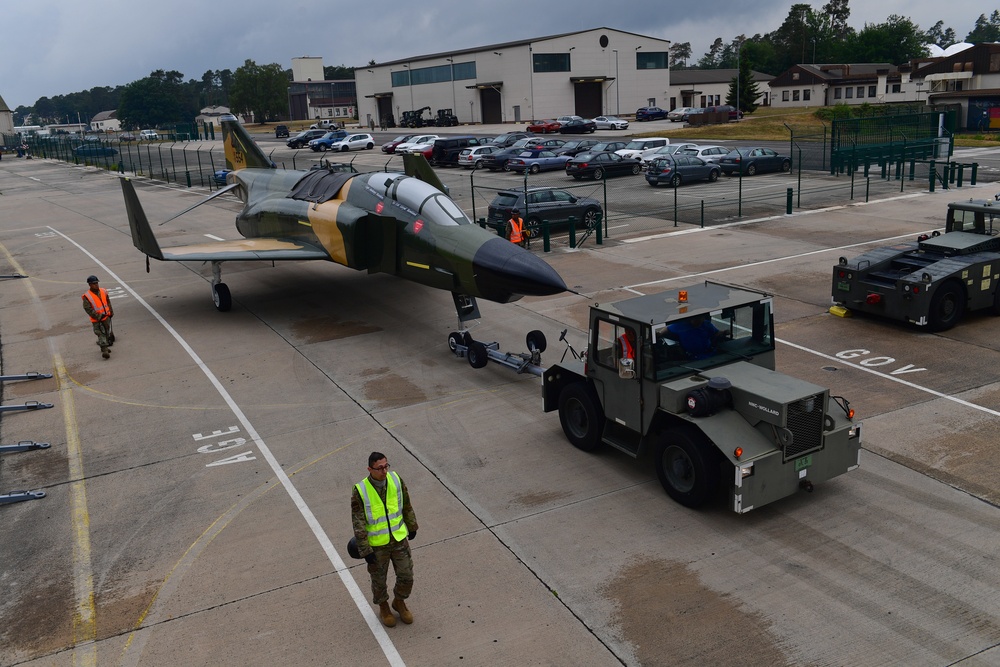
x: 795, y: 96
x: 785, y: 95
x: 848, y: 93
x: 861, y: 92
x: 651, y: 59
x: 871, y: 91
x: 837, y: 93
x: 465, y: 71
x: 806, y: 95
x: 550, y: 62
x: 401, y: 78
x: 795, y: 76
x: 995, y: 62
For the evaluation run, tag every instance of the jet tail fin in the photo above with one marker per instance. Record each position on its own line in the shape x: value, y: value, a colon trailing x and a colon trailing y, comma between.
x: 142, y: 234
x: 416, y: 165
x: 241, y: 150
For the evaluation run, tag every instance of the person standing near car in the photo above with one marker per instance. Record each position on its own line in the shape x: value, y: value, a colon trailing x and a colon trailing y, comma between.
x: 384, y: 524
x: 515, y: 229
x: 98, y: 306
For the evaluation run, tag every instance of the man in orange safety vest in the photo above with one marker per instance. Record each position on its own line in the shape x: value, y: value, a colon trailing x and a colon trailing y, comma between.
x: 98, y: 307
x: 516, y: 232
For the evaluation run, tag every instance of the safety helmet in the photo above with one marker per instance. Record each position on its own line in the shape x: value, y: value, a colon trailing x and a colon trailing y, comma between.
x: 352, y: 548
x: 92, y: 279
x: 514, y: 211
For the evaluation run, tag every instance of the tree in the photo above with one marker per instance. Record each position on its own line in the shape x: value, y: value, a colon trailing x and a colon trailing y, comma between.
x: 743, y: 91
x: 938, y: 35
x: 338, y: 72
x: 679, y: 53
x: 898, y: 40
x: 986, y: 30
x: 837, y: 12
x: 159, y: 99
x: 259, y: 90
x: 711, y: 59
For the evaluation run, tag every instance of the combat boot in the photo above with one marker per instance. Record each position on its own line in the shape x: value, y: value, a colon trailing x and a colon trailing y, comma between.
x: 404, y: 614
x: 388, y: 620
x: 105, y: 352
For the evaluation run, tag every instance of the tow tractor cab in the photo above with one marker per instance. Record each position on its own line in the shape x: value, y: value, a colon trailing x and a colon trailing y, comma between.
x: 933, y: 280
x: 690, y: 373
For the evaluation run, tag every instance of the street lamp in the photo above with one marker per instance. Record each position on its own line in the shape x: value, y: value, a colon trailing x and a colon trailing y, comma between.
x: 409, y: 81
x: 739, y: 75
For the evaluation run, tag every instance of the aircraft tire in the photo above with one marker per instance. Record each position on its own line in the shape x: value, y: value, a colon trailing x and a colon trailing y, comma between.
x: 454, y: 340
x: 222, y: 297
x: 535, y: 340
x: 478, y: 356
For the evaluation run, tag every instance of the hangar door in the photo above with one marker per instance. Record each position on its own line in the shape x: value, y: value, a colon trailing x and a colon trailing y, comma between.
x: 489, y: 102
x: 588, y: 98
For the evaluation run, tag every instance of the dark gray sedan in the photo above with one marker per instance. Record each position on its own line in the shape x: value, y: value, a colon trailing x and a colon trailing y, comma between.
x: 752, y: 161
x: 676, y: 169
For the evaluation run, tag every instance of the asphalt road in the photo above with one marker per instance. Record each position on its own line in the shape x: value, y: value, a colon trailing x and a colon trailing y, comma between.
x: 197, y: 507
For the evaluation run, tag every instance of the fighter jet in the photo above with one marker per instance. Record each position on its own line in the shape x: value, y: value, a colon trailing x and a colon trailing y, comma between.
x: 380, y: 222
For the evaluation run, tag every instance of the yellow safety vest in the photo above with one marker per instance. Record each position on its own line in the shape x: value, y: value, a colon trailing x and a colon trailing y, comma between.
x: 383, y: 518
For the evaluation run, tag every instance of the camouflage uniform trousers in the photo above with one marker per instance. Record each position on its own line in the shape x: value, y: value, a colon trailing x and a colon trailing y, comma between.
x: 402, y: 563
x: 101, y: 331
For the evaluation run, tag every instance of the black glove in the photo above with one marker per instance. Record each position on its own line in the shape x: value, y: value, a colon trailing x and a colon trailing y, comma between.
x: 371, y: 559
x: 412, y: 535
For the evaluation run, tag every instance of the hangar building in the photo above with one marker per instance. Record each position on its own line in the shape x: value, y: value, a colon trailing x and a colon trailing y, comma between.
x: 588, y: 73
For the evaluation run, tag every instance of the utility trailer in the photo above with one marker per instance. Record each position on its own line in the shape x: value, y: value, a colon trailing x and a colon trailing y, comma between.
x: 715, y: 417
x: 933, y: 280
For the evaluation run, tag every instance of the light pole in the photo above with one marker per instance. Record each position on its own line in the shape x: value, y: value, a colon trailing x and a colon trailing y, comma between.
x: 409, y: 81
x: 454, y: 103
x: 618, y: 99
x: 739, y: 76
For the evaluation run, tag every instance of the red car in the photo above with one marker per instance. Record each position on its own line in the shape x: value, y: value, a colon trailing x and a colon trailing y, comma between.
x: 544, y: 126
x: 390, y: 146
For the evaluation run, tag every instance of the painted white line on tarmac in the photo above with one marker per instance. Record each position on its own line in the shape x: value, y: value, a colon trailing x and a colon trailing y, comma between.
x: 367, y: 612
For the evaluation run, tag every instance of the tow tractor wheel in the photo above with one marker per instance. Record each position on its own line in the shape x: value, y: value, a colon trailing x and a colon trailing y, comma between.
x: 581, y: 416
x: 535, y: 340
x: 947, y: 306
x: 454, y: 340
x: 687, y: 467
x: 478, y: 356
x: 222, y: 298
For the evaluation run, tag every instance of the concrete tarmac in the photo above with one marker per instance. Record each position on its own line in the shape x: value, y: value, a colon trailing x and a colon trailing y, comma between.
x: 198, y: 483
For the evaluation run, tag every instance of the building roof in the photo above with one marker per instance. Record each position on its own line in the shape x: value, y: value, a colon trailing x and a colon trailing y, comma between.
x: 3, y: 105
x: 104, y: 115
x: 503, y: 45
x: 684, y: 77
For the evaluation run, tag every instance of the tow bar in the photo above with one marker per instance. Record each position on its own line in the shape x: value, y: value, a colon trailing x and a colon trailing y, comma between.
x: 479, y: 353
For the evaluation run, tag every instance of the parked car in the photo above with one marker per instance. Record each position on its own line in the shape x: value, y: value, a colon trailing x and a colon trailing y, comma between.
x: 607, y: 146
x: 447, y: 150
x: 669, y: 149
x: 706, y: 153
x: 693, y: 111
x: 548, y: 144
x: 326, y: 142
x: 610, y: 123
x: 354, y: 142
x: 94, y: 149
x: 576, y: 146
x: 638, y: 148
x: 506, y: 140
x: 650, y: 113
x: 599, y: 165
x: 390, y: 146
x: 536, y: 160
x: 678, y: 114
x: 498, y: 158
x: 562, y: 120
x: 220, y: 176
x: 543, y: 127
x: 280, y: 131
x: 726, y: 109
x: 577, y: 126
x: 752, y: 161
x: 416, y: 140
x: 676, y: 169
x: 303, y: 138
x: 149, y: 135
x: 92, y: 137
x: 472, y: 157
x: 549, y: 204
x: 126, y: 136
x: 324, y: 125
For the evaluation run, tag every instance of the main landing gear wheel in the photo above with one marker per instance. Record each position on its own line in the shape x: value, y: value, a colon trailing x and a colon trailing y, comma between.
x: 535, y: 340
x: 222, y: 298
x: 581, y: 417
x: 686, y: 467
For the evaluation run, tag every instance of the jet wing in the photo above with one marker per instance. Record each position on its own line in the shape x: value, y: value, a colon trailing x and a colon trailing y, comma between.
x: 244, y: 250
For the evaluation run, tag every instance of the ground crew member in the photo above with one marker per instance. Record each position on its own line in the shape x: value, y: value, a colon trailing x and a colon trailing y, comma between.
x: 98, y: 306
x: 515, y: 229
x: 384, y: 524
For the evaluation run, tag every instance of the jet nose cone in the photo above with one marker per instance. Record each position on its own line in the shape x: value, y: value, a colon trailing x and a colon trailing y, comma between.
x: 504, y: 270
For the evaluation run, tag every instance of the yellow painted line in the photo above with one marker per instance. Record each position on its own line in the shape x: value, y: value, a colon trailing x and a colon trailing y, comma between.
x: 306, y: 223
x: 418, y: 266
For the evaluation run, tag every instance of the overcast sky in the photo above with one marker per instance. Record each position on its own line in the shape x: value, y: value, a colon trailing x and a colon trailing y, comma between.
x: 50, y: 49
